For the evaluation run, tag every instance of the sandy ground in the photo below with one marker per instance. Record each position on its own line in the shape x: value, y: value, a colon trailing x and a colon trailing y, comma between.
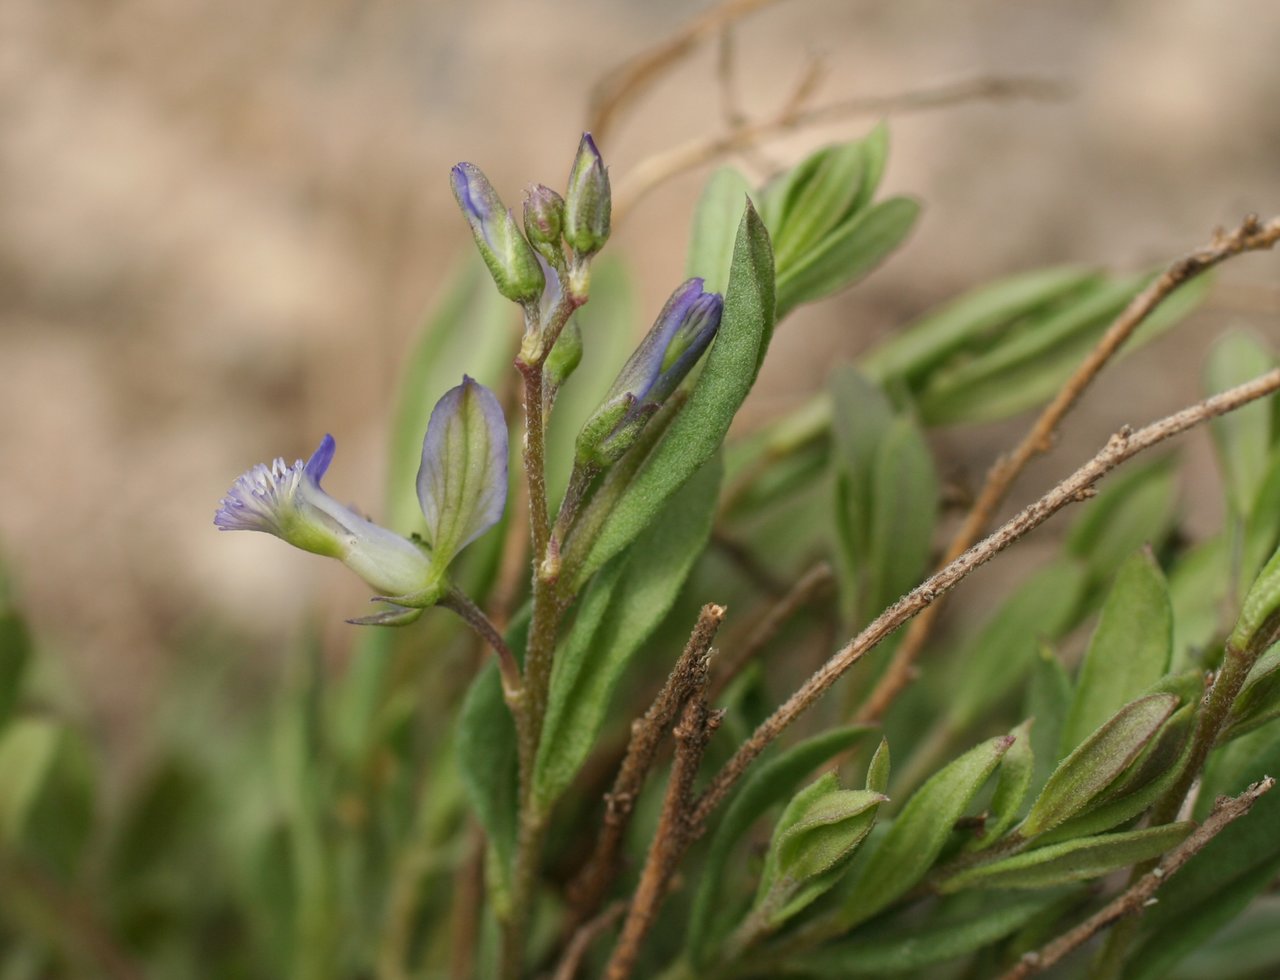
x: 222, y: 220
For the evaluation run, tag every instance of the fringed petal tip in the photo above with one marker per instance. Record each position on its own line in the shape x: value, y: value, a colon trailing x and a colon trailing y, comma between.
x: 262, y: 495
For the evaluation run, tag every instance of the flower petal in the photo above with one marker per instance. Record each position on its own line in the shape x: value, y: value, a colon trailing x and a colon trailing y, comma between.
x: 462, y: 484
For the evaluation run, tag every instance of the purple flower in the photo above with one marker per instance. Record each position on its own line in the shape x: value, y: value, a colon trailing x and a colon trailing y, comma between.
x: 462, y: 486
x: 510, y: 259
x: 684, y: 329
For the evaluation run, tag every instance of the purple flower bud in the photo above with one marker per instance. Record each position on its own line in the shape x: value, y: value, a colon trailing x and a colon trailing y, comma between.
x: 287, y: 501
x: 462, y: 484
x: 683, y: 331
x: 511, y: 261
x: 588, y: 203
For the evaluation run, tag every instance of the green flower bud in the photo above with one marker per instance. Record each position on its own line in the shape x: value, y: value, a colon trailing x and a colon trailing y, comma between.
x: 588, y: 203
x: 511, y: 261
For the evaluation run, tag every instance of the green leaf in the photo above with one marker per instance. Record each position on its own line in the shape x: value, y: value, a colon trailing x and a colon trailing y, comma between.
x: 1134, y: 510
x: 28, y: 749
x: 1048, y: 700
x: 1259, y: 608
x: 1259, y: 700
x: 1242, y: 438
x: 1098, y: 761
x: 767, y: 784
x: 1138, y: 788
x: 715, y: 227
x: 622, y: 607
x: 995, y: 659
x: 1011, y: 788
x: 488, y: 760
x: 1198, y: 584
x: 878, y: 768
x: 977, y: 317
x: 1077, y: 860
x: 903, y: 513
x: 694, y: 436
x: 1129, y: 650
x: 847, y: 254
x: 1028, y: 366
x: 818, y: 832
x: 916, y: 838
x: 910, y: 947
x: 819, y: 203
x: 1262, y: 529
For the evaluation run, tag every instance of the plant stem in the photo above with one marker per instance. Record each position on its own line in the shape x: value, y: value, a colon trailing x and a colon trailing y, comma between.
x: 548, y: 607
x: 474, y: 616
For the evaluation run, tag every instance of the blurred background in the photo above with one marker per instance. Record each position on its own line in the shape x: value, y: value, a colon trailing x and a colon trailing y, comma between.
x: 222, y: 224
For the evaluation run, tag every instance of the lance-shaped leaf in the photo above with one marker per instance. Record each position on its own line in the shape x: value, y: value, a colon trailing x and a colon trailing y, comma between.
x: 917, y: 836
x: 462, y: 484
x: 1137, y: 509
x: 1077, y: 860
x: 1259, y: 699
x: 995, y: 659
x: 907, y: 948
x: 1129, y: 650
x: 878, y: 768
x: 1098, y: 761
x: 977, y: 317
x: 1262, y: 529
x: 715, y: 226
x: 768, y: 784
x: 1048, y: 700
x: 818, y: 832
x: 695, y: 434
x: 1242, y: 438
x: 1258, y: 612
x: 1011, y: 788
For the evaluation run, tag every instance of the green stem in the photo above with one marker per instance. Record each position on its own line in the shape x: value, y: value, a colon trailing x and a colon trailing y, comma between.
x: 1236, y: 664
x: 548, y: 607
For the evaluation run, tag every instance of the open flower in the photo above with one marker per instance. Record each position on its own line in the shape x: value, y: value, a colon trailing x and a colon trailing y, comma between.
x: 462, y: 487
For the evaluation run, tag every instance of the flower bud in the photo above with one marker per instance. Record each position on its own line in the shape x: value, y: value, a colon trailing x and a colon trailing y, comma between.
x: 566, y: 355
x: 683, y: 331
x: 511, y: 261
x: 588, y: 201
x: 544, y: 221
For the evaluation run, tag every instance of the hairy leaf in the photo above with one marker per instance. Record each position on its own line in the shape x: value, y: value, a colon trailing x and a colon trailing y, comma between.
x: 715, y: 227
x: 1242, y: 438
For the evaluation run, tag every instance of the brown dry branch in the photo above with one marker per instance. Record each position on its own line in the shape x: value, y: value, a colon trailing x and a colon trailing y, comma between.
x: 661, y: 167
x: 687, y: 677
x: 1138, y: 896
x: 587, y: 933
x: 1078, y: 486
x: 813, y: 584
x: 675, y: 828
x: 1250, y: 236
x: 620, y: 89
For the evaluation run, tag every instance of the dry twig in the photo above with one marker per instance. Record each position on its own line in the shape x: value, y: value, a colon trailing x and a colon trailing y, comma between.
x: 675, y: 828
x: 687, y: 677
x: 1134, y: 899
x: 810, y: 586
x: 1251, y: 236
x: 625, y: 84
x: 660, y: 167
x: 1076, y: 487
